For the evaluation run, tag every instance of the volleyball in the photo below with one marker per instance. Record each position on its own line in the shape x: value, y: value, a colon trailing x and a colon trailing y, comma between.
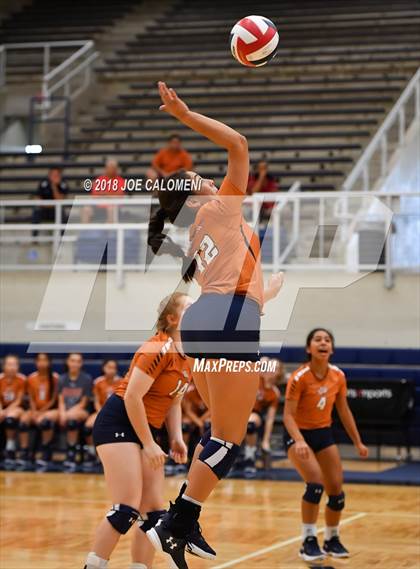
x: 254, y: 41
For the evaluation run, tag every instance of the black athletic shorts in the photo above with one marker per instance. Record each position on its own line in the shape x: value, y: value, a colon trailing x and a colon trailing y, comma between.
x: 112, y: 425
x: 222, y: 326
x: 316, y: 439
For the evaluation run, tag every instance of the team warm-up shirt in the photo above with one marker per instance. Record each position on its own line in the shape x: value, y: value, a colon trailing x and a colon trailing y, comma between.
x: 193, y: 397
x: 102, y: 389
x: 39, y: 388
x: 11, y: 390
x: 266, y: 397
x: 169, y: 370
x: 169, y: 161
x: 316, y: 397
x: 226, y: 249
x: 73, y: 391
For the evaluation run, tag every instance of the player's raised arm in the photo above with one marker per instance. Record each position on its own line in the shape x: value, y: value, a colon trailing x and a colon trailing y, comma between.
x: 216, y: 131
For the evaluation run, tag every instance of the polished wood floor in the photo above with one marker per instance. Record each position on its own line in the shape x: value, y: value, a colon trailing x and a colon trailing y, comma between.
x: 47, y: 521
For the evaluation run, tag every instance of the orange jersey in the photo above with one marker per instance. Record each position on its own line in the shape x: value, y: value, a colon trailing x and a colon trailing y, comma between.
x: 315, y: 397
x: 39, y: 388
x: 225, y: 248
x: 11, y: 390
x: 159, y: 359
x: 193, y: 397
x: 266, y: 397
x: 170, y: 161
x: 102, y: 389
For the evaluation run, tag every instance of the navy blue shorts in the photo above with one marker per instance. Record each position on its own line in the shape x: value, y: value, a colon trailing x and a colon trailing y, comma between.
x: 112, y: 424
x: 316, y: 439
x: 222, y: 326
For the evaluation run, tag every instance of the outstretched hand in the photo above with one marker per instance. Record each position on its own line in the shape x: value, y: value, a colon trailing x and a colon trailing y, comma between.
x: 172, y: 104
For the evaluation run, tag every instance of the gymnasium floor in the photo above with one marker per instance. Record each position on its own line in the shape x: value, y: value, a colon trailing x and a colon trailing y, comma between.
x: 47, y: 521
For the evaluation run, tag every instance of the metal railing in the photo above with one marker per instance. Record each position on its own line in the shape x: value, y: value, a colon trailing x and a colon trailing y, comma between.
x: 375, y: 162
x: 306, y: 231
x: 68, y: 79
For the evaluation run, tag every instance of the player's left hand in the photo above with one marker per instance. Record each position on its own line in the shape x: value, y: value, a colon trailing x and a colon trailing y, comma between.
x: 362, y: 450
x: 179, y: 451
x: 172, y: 104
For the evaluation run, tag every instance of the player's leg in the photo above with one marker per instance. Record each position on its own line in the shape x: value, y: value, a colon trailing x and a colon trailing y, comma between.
x: 46, y: 423
x: 74, y: 420
x: 11, y: 425
x: 330, y: 463
x: 25, y: 423
x: 89, y: 448
x: 251, y: 440
x: 123, y: 478
x: 311, y: 473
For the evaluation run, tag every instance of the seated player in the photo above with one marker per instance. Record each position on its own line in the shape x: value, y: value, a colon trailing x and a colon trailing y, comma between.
x: 126, y: 435
x: 12, y: 389
x: 103, y: 387
x: 42, y: 392
x: 312, y: 391
x: 261, y: 420
x: 74, y: 393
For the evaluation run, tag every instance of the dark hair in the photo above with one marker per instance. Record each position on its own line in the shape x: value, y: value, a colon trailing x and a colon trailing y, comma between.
x: 66, y: 366
x: 15, y: 356
x: 311, y: 335
x: 173, y: 208
x: 50, y: 372
x: 174, y: 135
x: 106, y: 361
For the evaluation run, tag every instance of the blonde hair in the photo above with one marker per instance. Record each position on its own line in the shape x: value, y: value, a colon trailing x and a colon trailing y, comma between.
x: 166, y: 307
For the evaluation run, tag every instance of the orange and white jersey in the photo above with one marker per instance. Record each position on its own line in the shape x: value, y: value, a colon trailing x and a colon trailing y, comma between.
x: 193, y: 397
x: 11, y: 389
x: 102, y: 389
x: 266, y: 397
x: 159, y: 359
x: 315, y: 397
x: 225, y: 248
x: 39, y: 388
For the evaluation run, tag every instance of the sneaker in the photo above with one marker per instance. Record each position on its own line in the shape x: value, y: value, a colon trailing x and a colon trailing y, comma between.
x: 41, y: 465
x: 335, y: 548
x: 172, y: 547
x: 249, y: 469
x: 198, y: 546
x: 310, y: 550
x: 69, y: 466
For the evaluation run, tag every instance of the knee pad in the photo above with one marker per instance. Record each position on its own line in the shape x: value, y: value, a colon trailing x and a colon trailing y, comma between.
x: 46, y: 425
x: 313, y: 493
x: 87, y: 431
x: 205, y: 438
x: 122, y: 517
x: 251, y: 428
x: 11, y: 423
x: 186, y: 428
x: 219, y: 455
x: 337, y: 502
x: 150, y: 519
x: 72, y: 425
x: 24, y: 427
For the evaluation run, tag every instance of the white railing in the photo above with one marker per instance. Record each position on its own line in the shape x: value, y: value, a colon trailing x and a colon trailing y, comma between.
x: 68, y: 79
x: 315, y: 235
x: 375, y: 162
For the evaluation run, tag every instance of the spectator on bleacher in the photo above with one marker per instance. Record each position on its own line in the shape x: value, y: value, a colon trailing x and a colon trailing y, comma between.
x: 74, y: 394
x: 42, y: 391
x: 103, y: 387
x: 12, y: 390
x: 170, y: 159
x: 261, y: 420
x: 52, y: 188
x: 108, y: 185
x: 261, y: 181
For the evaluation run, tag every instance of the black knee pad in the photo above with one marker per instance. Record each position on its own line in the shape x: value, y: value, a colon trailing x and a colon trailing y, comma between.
x: 313, y: 493
x: 219, y: 455
x: 336, y: 503
x: 251, y: 428
x: 24, y: 427
x: 205, y: 438
x: 87, y: 431
x: 122, y: 517
x: 46, y: 425
x: 72, y: 425
x: 11, y: 423
x: 150, y: 519
x: 186, y: 428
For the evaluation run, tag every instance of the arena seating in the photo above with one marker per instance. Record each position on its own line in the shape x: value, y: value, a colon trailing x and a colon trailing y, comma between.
x: 310, y: 112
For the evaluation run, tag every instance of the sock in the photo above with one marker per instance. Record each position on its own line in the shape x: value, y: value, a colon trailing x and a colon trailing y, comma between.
x: 250, y: 453
x: 330, y: 531
x: 192, y: 500
x: 182, y: 516
x: 138, y: 566
x: 90, y: 449
x: 308, y: 530
x: 10, y: 445
x: 95, y: 562
x: 183, y: 488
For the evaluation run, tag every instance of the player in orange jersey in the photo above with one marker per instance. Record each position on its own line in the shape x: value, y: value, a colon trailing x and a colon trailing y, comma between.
x: 224, y: 323
x: 103, y: 387
x: 42, y: 392
x: 312, y: 392
x: 12, y: 389
x: 126, y: 432
x: 261, y: 420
